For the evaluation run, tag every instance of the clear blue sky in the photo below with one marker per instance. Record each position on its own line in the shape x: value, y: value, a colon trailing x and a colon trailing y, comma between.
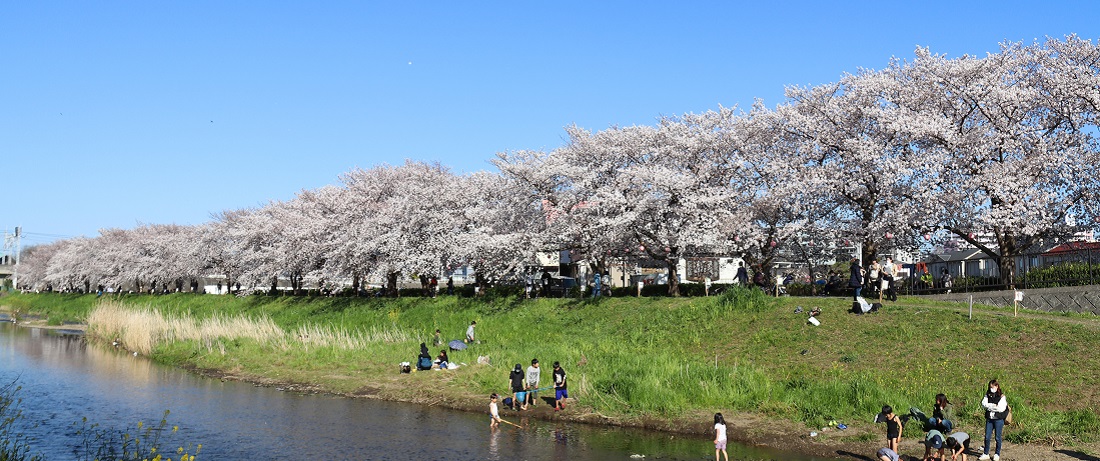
x: 119, y: 113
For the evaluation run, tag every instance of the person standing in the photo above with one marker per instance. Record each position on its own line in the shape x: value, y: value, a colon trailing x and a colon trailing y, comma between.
x: 450, y: 286
x: 437, y: 340
x: 855, y: 278
x: 515, y: 381
x: 873, y: 274
x: 534, y: 375
x: 996, y: 408
x: 893, y: 428
x: 470, y: 332
x: 720, y: 437
x: 560, y: 392
x: 742, y: 274
x: 494, y: 412
x: 889, y: 273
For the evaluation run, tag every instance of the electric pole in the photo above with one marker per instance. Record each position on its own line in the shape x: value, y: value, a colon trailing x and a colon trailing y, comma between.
x: 15, y: 272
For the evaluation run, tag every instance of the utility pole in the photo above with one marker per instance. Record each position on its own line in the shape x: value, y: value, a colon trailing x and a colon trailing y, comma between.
x: 15, y: 272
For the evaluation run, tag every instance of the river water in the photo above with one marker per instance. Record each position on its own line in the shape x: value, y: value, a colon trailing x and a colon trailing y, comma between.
x: 63, y: 380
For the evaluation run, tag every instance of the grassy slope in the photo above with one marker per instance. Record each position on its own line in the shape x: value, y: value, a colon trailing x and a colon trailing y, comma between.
x: 670, y: 358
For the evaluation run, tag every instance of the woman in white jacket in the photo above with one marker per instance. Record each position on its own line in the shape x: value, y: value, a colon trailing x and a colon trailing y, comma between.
x: 996, y: 407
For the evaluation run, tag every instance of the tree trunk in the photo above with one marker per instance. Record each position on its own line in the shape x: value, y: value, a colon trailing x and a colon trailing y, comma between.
x: 870, y: 250
x: 673, y: 262
x: 673, y: 280
x: 391, y: 284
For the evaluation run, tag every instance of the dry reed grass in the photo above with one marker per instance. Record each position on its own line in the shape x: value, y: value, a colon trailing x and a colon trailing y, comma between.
x: 326, y: 336
x: 141, y: 329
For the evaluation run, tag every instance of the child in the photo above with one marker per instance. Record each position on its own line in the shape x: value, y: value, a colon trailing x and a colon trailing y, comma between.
x: 515, y: 380
x: 494, y: 412
x: 560, y: 391
x: 893, y: 427
x: 933, y: 441
x: 886, y: 454
x: 958, y: 443
x: 720, y: 437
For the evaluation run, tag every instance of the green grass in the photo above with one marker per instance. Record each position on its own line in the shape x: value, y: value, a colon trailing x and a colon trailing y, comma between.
x: 671, y: 358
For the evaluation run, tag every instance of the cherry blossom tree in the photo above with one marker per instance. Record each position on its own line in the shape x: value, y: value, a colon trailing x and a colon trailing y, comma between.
x: 1022, y: 155
x: 409, y: 218
x: 501, y: 225
x: 866, y: 161
x: 773, y: 192
x: 34, y: 263
x: 1000, y: 151
x: 666, y: 187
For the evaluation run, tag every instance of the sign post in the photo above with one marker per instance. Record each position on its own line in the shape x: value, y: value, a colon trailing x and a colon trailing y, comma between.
x: 1016, y: 303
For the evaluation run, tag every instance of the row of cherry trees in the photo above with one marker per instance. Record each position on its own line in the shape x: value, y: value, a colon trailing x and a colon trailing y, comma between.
x: 1001, y: 149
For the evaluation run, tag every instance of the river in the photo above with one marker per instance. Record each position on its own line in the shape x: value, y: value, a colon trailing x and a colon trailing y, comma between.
x: 63, y: 380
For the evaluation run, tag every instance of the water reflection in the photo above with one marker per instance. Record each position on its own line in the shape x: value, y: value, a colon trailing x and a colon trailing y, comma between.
x: 63, y: 379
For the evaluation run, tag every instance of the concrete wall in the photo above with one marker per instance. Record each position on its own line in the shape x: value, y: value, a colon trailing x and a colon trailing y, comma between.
x: 1080, y: 299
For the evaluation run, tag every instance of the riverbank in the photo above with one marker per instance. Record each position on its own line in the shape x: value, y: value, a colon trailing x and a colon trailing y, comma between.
x: 668, y: 364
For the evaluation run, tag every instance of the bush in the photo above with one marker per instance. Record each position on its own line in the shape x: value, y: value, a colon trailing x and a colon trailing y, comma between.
x: 1065, y: 274
x: 748, y: 299
x: 799, y: 289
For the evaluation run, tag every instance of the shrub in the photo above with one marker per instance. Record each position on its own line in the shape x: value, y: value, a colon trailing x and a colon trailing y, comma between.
x: 1065, y: 274
x: 800, y: 289
x: 747, y: 299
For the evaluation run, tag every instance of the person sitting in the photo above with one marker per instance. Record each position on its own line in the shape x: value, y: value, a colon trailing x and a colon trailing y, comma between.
x: 424, y: 360
x: 442, y: 359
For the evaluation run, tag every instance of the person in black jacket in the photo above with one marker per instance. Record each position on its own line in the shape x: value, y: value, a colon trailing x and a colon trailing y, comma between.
x: 515, y: 381
x: 996, y: 409
x: 855, y: 278
x: 424, y: 360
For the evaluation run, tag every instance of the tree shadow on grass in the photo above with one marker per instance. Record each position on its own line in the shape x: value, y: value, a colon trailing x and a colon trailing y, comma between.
x: 1077, y: 455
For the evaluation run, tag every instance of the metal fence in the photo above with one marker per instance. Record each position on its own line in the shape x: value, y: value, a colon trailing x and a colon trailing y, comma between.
x: 1067, y: 268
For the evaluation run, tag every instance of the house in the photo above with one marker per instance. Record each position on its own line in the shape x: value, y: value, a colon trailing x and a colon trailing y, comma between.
x: 963, y: 263
x: 1071, y: 252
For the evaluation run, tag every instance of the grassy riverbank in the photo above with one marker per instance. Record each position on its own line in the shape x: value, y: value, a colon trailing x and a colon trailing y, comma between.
x: 649, y: 361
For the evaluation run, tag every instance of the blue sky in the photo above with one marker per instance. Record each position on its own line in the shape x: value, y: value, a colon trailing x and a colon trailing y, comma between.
x: 118, y: 113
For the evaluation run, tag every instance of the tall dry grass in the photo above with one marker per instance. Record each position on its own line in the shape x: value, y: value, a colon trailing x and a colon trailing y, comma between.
x: 142, y: 329
x: 313, y: 335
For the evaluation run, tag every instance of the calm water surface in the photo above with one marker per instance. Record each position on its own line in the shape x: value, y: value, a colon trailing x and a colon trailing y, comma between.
x: 63, y: 380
